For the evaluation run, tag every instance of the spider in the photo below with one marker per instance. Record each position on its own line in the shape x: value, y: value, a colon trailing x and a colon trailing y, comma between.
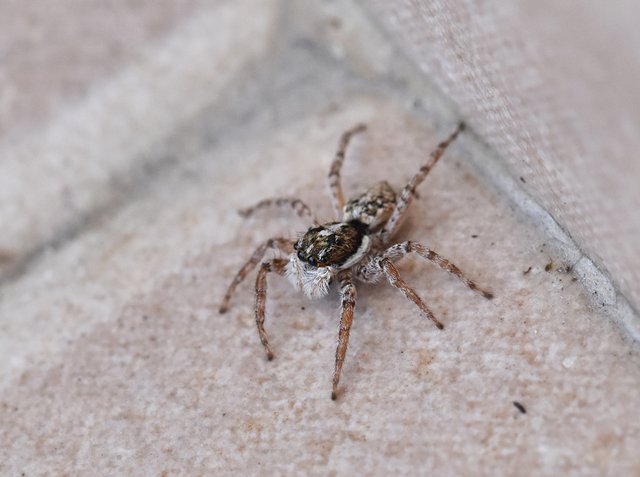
x: 356, y: 246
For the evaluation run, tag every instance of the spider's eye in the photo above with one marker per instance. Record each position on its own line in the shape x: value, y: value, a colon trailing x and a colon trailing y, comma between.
x: 301, y: 256
x: 312, y: 261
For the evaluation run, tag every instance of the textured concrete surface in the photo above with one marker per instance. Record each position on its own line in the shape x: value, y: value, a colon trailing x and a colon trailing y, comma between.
x: 116, y: 361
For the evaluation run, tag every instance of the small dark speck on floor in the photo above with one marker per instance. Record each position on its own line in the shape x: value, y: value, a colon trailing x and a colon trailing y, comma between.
x: 548, y: 267
x: 520, y: 407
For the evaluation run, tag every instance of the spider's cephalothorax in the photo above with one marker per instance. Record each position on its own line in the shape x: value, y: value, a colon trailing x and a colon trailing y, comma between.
x: 336, y: 244
x: 357, y: 246
x: 322, y: 251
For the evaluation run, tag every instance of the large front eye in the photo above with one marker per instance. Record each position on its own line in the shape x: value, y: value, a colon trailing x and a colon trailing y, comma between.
x: 301, y: 256
x: 312, y: 261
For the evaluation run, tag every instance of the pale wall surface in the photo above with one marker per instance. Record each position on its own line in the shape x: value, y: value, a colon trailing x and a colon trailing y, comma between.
x: 115, y: 360
x: 554, y: 88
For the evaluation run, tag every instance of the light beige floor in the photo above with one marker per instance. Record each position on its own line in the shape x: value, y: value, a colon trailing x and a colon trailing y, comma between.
x: 116, y: 361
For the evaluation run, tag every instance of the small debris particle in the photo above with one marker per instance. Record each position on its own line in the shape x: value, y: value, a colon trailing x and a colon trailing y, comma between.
x: 520, y: 407
x: 548, y: 267
x: 302, y: 308
x: 474, y: 236
x: 527, y: 271
x: 569, y: 362
x: 522, y: 180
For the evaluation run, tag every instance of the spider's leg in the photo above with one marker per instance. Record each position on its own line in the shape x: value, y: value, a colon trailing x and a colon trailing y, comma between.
x: 335, y: 182
x: 348, y: 304
x: 401, y: 249
x: 406, y: 196
x: 297, y: 205
x: 392, y: 274
x: 276, y: 265
x: 279, y: 243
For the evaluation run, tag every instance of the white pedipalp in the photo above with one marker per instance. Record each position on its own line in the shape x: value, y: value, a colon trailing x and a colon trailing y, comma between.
x: 314, y: 282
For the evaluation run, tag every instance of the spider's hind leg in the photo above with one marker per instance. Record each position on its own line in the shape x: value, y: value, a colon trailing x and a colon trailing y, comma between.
x: 335, y: 181
x: 409, y: 191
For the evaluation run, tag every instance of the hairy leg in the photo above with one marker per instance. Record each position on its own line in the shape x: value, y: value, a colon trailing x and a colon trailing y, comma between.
x: 335, y: 183
x: 297, y: 205
x: 392, y: 274
x: 348, y: 304
x: 399, y: 250
x: 279, y: 243
x: 276, y: 265
x: 406, y: 196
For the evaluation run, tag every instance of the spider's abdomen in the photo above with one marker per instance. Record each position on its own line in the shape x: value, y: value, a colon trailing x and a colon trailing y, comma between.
x: 372, y: 208
x: 335, y: 244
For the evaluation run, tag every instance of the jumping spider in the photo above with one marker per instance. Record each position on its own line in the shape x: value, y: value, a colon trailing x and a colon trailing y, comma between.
x: 355, y: 246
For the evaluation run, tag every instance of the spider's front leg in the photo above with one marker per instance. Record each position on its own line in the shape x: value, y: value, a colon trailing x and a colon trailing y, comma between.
x: 279, y: 243
x: 406, y: 196
x: 276, y: 265
x: 335, y: 182
x: 348, y: 304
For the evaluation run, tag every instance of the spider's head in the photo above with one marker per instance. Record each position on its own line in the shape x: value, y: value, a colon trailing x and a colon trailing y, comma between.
x: 336, y: 244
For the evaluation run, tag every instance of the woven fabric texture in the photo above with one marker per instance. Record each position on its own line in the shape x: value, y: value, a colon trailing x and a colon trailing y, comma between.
x: 553, y: 88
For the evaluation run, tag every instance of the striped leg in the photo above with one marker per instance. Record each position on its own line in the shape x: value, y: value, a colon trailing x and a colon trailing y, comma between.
x: 279, y: 243
x: 297, y: 205
x: 399, y: 250
x: 276, y: 265
x: 348, y: 304
x: 335, y: 183
x: 406, y: 196
x: 392, y: 274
